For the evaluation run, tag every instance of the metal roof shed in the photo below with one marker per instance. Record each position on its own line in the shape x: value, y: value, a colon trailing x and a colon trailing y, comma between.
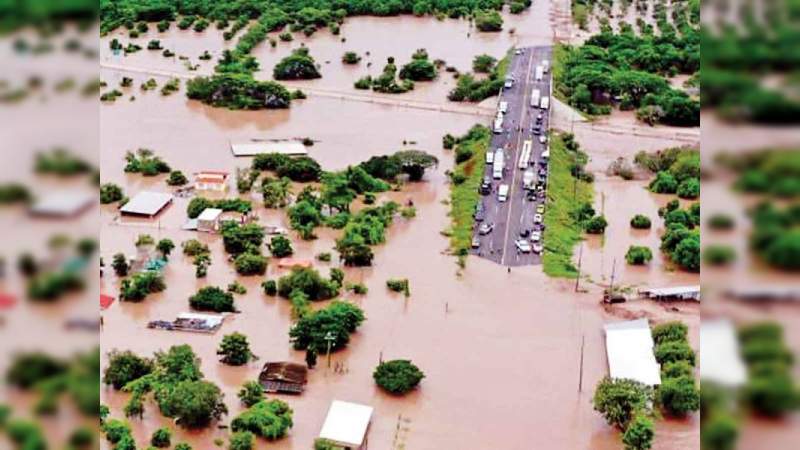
x: 290, y: 148
x: 346, y: 424
x: 629, y: 346
x: 147, y: 203
x: 724, y: 364
x: 208, y: 220
x: 674, y: 293
x: 63, y: 204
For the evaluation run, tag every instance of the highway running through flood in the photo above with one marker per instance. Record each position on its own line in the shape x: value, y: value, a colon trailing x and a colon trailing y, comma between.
x: 513, y: 219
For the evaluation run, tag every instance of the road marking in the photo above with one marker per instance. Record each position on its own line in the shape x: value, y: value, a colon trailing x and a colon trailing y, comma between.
x: 519, y: 140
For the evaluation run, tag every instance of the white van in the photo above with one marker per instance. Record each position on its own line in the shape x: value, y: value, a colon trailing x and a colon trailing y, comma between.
x: 498, y: 125
x: 489, y: 157
x: 539, y: 73
x: 545, y: 65
x: 503, y: 107
x: 545, y: 102
x: 502, y: 193
x: 536, y: 96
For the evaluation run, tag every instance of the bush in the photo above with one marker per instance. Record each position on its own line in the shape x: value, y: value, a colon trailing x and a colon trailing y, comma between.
x: 212, y: 298
x: 309, y: 282
x: 689, y: 188
x: 161, y: 438
x: 672, y: 351
x: 339, y: 318
x: 239, y: 239
x: 235, y: 350
x: 193, y: 404
x: 238, y: 91
x: 720, y: 432
x: 619, y: 400
x: 639, y: 434
x: 719, y: 255
x: 324, y: 257
x: 664, y: 183
x: 678, y: 395
x: 638, y: 255
x: 771, y: 395
x: 140, y: 285
x: 269, y: 419
x: 110, y: 193
x: 398, y: 376
x: 596, y: 225
x: 677, y: 369
x: 297, y: 66
x: 398, y: 285
x: 250, y: 264
x: 177, y: 178
x: 721, y: 222
x: 251, y: 393
x: 270, y: 287
x: 418, y: 70
x: 124, y: 367
x: 280, y: 246
x: 670, y: 332
x: 242, y: 440
x: 640, y: 221
x: 483, y: 63
x: 488, y: 20
x: 351, y: 58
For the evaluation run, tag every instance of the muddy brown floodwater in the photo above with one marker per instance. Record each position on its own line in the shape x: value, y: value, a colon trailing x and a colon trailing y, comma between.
x: 501, y: 351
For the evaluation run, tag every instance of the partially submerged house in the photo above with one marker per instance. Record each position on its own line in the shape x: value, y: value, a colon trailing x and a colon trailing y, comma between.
x: 146, y: 204
x: 211, y: 180
x: 63, y: 204
x: 193, y: 322
x: 209, y: 220
x: 283, y: 377
x: 347, y: 424
x: 629, y: 346
x: 677, y: 293
x: 253, y: 148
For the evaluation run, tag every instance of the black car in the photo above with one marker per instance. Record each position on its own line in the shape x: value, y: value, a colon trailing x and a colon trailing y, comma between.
x: 524, y: 233
x: 486, y: 186
x: 537, y: 130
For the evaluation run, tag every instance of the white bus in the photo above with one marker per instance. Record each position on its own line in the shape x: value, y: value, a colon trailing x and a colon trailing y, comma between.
x: 498, y: 125
x: 497, y: 166
x: 545, y: 65
x: 503, y: 107
x: 528, y: 178
x: 536, y: 96
x: 525, y: 155
x: 545, y: 102
x: 502, y: 193
x: 539, y: 73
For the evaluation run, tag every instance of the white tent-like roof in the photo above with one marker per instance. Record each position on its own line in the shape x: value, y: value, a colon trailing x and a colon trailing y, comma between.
x: 721, y: 363
x: 209, y: 214
x: 346, y: 423
x: 147, y: 203
x: 282, y: 147
x: 629, y: 346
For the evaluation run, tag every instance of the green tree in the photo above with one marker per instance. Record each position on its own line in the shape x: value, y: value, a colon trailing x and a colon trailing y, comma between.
x: 488, y: 20
x: 193, y: 404
x: 678, y: 395
x: 720, y: 431
x: 110, y: 193
x: 398, y: 376
x: 250, y: 264
x: 242, y: 440
x: 120, y: 265
x: 689, y: 188
x: 138, y: 287
x: 124, y: 367
x: 177, y: 178
x: 638, y: 255
x: 251, y: 393
x: 640, y: 221
x: 619, y: 400
x: 340, y: 319
x: 672, y: 351
x: 311, y: 357
x: 161, y: 438
x: 483, y: 63
x: 275, y: 192
x: 297, y: 66
x: 664, y: 183
x: 235, y: 349
x: 269, y: 419
x: 640, y: 433
x: 596, y: 225
x: 165, y: 247
x: 309, y: 282
x: 212, y: 298
x: 280, y: 246
x: 674, y: 331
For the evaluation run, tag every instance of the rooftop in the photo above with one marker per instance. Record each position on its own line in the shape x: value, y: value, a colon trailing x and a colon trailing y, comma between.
x: 346, y: 423
x: 282, y: 147
x: 629, y: 346
x: 63, y: 203
x: 210, y: 214
x: 147, y: 203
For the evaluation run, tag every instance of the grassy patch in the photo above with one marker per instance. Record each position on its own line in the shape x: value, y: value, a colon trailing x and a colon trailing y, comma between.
x: 464, y: 196
x: 580, y: 14
x: 560, y: 55
x: 565, y: 194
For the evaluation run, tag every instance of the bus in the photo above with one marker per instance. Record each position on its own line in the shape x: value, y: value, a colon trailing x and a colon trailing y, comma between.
x: 503, y: 107
x: 525, y: 155
x: 539, y: 73
x: 528, y: 179
x: 536, y: 96
x: 545, y: 103
x: 502, y: 193
x: 497, y: 166
x: 498, y: 125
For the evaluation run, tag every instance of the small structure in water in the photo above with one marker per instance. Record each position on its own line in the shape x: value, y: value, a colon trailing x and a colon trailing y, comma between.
x: 283, y: 377
x: 346, y: 425
x: 146, y: 204
x: 284, y: 147
x: 210, y: 180
x: 63, y: 204
x: 673, y: 293
x: 209, y: 220
x: 194, y: 322
x: 629, y: 346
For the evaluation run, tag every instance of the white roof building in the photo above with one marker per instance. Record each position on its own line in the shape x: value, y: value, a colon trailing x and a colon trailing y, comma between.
x: 720, y: 361
x: 346, y: 424
x: 283, y: 147
x: 629, y: 346
x: 677, y: 293
x: 147, y: 203
x: 63, y: 204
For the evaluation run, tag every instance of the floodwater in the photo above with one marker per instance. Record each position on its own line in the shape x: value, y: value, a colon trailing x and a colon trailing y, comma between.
x: 502, y: 352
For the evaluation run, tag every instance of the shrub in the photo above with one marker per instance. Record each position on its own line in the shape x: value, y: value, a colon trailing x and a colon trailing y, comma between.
x: 120, y: 265
x: 193, y: 247
x: 270, y: 287
x: 110, y: 193
x: 639, y: 434
x: 398, y: 285
x: 398, y: 376
x: 720, y: 432
x: 161, y: 438
x: 250, y: 264
x: 640, y: 221
x: 177, y: 178
x: 619, y: 400
x: 719, y: 255
x: 269, y: 419
x: 193, y: 404
x: 238, y: 91
x: 664, y: 183
x: 324, y: 256
x: 418, y: 70
x: 677, y: 369
x: 772, y: 394
x: 638, y: 255
x: 678, y: 395
x: 721, y: 222
x: 357, y: 288
x: 672, y: 351
x: 488, y: 20
x: 309, y: 282
x: 670, y: 332
x: 596, y: 225
x: 297, y: 66
x: 483, y: 63
x: 242, y: 440
x: 339, y: 318
x: 237, y: 288
x: 140, y: 285
x: 280, y: 246
x: 251, y: 393
x: 124, y: 367
x: 351, y: 58
x: 212, y: 298
x: 235, y: 350
x: 689, y: 188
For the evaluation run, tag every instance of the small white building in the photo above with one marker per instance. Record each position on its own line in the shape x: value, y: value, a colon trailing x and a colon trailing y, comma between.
x: 208, y: 220
x: 146, y: 203
x: 724, y: 364
x: 629, y: 346
x: 211, y: 181
x: 346, y: 425
x: 673, y: 293
x: 62, y: 204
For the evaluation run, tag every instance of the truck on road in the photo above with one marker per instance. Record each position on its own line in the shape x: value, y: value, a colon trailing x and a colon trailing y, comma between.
x: 528, y: 178
x: 503, y: 107
x: 525, y: 155
x: 498, y: 124
x: 539, y: 73
x: 536, y: 96
x: 545, y: 102
x: 502, y: 193
x: 497, y: 165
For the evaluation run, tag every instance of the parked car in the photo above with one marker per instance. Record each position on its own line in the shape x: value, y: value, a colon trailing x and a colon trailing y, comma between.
x: 486, y: 186
x: 480, y: 213
x: 476, y: 242
x: 524, y: 233
x: 538, y: 248
x: 540, y: 208
x: 485, y: 228
x: 537, y: 130
x: 537, y: 218
x: 536, y: 236
x: 523, y: 245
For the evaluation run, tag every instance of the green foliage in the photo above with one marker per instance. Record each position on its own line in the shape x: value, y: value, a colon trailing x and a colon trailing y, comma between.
x: 212, y: 298
x: 270, y: 287
x: 639, y: 434
x: 719, y: 254
x: 672, y: 351
x: 238, y: 239
x: 324, y: 257
x: 120, y: 265
x: 721, y: 222
x: 620, y: 400
x: 235, y: 350
x: 483, y: 63
x: 193, y: 247
x: 28, y: 369
x: 464, y: 196
x: 269, y: 419
x: 199, y: 204
x: 689, y: 188
x: 640, y: 221
x: 638, y: 255
x: 399, y: 285
x: 470, y: 89
x: 177, y: 178
x: 398, y: 376
x: 351, y: 58
x: 124, y: 367
x: 250, y: 264
x: 275, y: 191
x: 144, y: 161
x: 237, y: 288
x: 280, y: 246
x: 720, y: 432
x: 301, y: 169
x: 340, y: 319
x: 251, y: 393
x: 418, y: 69
x: 165, y: 247
x: 664, y: 183
x: 61, y: 162
x: 678, y: 395
x: 238, y: 91
x: 138, y: 287
x: 193, y: 404
x: 242, y: 440
x: 297, y: 66
x: 670, y: 332
x: 596, y: 225
x: 309, y: 282
x: 488, y: 20
x: 161, y: 438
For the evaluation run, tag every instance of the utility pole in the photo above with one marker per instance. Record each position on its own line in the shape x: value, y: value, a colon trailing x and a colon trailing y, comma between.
x: 329, y: 338
x: 580, y: 260
x: 580, y: 378
x: 613, y: 270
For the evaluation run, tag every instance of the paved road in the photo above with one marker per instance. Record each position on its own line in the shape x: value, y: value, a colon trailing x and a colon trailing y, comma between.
x: 516, y: 214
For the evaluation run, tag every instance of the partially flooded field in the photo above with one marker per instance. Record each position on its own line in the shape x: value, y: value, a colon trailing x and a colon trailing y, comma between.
x: 511, y: 358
